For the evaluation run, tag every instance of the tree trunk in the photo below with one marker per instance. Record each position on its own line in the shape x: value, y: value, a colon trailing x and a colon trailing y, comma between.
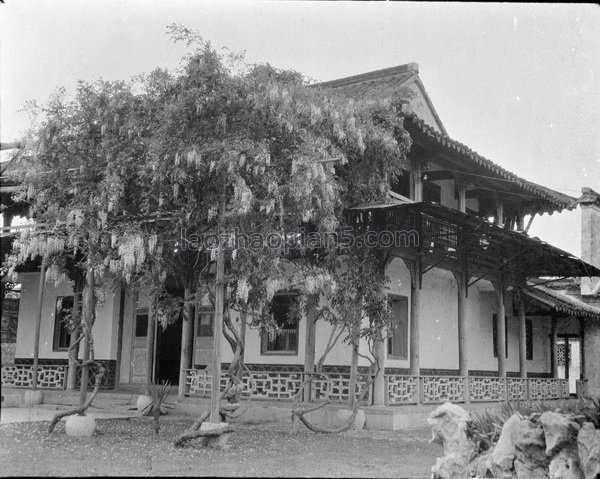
x: 73, y: 347
x: 243, y: 322
x: 309, y: 346
x: 89, y: 312
x: 38, y: 323
x: 215, y: 396
x: 186, y: 335
x: 353, y: 373
x: 150, y: 345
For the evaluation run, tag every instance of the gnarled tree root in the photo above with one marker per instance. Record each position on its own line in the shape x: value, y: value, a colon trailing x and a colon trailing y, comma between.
x: 299, y: 412
x: 194, y: 432
x: 81, y: 409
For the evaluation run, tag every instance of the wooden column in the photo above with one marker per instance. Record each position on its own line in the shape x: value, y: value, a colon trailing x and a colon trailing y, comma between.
x: 38, y: 324
x: 581, y: 348
x: 501, y: 329
x: 150, y: 340
x: 215, y: 396
x: 522, y: 335
x: 309, y: 344
x: 463, y: 362
x: 462, y: 195
x: 416, y: 190
x: 499, y: 212
x: 185, y: 361
x: 521, y: 220
x: 415, y: 309
x: 554, y: 346
x: 122, y: 293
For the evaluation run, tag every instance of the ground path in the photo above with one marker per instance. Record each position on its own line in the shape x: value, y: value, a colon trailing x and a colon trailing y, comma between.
x: 126, y: 446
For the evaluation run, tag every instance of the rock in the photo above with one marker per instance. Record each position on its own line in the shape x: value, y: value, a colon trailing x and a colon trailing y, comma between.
x: 77, y: 425
x: 559, y: 431
x: 32, y: 398
x: 143, y: 402
x: 448, y: 426
x: 565, y: 465
x: 479, y: 467
x: 531, y: 461
x: 503, y: 457
x: 359, y: 421
x: 588, y: 445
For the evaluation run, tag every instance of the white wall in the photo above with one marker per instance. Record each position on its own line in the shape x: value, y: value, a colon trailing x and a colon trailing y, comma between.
x: 339, y: 355
x: 421, y: 108
x: 481, y: 306
x: 439, y: 324
x: 102, y: 330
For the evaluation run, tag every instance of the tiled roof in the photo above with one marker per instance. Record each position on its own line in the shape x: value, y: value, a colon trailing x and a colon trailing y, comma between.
x: 417, y: 126
x: 565, y: 303
x: 388, y: 79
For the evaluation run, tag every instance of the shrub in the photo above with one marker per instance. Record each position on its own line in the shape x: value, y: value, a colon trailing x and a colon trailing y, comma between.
x: 159, y: 394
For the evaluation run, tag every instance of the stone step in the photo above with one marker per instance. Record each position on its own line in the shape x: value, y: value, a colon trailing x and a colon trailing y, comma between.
x: 11, y: 399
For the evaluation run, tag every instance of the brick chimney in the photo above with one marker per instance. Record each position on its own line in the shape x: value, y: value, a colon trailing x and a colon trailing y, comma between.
x: 590, y: 236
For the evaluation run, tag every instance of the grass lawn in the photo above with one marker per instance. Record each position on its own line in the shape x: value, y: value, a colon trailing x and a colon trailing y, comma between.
x: 128, y: 447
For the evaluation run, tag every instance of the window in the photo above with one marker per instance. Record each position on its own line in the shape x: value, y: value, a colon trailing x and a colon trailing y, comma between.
x: 529, y: 339
x: 141, y: 322
x: 10, y: 318
x: 397, y: 341
x: 495, y: 326
x: 62, y: 319
x: 286, y: 342
x: 205, y: 318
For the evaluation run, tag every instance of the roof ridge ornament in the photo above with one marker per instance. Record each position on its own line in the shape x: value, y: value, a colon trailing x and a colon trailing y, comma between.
x: 588, y: 197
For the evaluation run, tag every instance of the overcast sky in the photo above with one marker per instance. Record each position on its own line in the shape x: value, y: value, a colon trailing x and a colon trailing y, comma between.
x: 519, y: 84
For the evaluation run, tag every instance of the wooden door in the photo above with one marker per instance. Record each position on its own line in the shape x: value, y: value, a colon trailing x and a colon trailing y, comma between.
x: 203, y: 342
x: 138, y: 346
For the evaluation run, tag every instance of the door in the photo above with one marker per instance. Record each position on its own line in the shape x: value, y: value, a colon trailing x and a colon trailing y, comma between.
x: 138, y: 346
x: 168, y: 353
x: 203, y: 342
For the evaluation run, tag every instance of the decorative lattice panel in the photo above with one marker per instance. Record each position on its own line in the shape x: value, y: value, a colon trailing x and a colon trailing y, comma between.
x: 443, y: 388
x: 487, y: 389
x: 581, y: 388
x: 21, y: 376
x: 561, y: 349
x: 540, y: 389
x: 566, y: 393
x: 275, y: 385
x: 336, y: 386
x: 517, y: 389
x: 402, y: 389
x: 263, y: 385
x: 199, y: 383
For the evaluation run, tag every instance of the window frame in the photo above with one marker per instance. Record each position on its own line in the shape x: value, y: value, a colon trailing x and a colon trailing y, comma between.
x: 61, y: 330
x: 389, y: 339
x: 143, y: 311
x: 264, y: 337
x: 199, y: 311
x: 528, y: 339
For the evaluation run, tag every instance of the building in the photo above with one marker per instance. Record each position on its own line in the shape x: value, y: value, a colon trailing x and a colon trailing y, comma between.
x: 473, y: 321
